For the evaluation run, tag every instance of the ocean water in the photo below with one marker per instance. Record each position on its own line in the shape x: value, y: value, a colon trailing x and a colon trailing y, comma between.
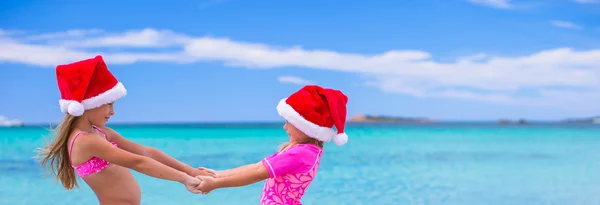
x: 450, y: 164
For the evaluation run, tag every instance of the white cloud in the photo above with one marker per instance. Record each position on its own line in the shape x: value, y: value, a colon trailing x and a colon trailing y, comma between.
x: 142, y: 38
x: 560, y: 77
x: 4, y: 32
x: 586, y: 1
x: 501, y: 4
x: 9, y: 122
x: 66, y: 34
x: 293, y: 80
x: 41, y: 55
x: 565, y: 24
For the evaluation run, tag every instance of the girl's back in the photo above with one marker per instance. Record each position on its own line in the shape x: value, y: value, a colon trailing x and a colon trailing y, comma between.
x: 291, y: 172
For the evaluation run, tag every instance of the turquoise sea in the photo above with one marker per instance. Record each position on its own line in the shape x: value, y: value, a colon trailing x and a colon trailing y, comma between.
x: 447, y: 163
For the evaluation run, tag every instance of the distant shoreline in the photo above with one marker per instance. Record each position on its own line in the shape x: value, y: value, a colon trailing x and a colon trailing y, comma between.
x: 279, y: 124
x: 355, y: 120
x: 379, y: 118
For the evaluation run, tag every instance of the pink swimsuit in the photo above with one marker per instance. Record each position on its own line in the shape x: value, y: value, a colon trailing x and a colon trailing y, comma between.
x: 94, y: 165
x: 291, y: 172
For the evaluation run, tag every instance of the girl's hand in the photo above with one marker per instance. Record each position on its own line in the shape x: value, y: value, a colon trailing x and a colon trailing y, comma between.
x: 207, y: 172
x: 191, y: 183
x: 207, y: 185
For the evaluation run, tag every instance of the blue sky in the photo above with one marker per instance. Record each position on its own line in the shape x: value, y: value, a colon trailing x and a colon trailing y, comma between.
x: 228, y: 60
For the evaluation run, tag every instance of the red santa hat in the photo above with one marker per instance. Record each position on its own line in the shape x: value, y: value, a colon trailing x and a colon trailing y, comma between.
x: 315, y: 110
x: 86, y: 85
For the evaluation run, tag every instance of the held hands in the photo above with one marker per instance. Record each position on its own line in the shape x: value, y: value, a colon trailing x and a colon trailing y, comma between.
x: 193, y: 181
x: 205, y: 177
x: 191, y: 184
x: 207, y: 185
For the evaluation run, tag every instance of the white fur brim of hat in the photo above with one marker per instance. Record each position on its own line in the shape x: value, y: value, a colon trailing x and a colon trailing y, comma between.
x: 324, y: 134
x: 75, y: 108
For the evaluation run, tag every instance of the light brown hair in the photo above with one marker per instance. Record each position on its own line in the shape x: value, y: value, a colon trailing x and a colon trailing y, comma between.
x: 57, y: 153
x: 305, y: 140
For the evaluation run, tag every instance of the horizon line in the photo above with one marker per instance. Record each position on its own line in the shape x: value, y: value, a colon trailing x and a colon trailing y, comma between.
x: 167, y: 123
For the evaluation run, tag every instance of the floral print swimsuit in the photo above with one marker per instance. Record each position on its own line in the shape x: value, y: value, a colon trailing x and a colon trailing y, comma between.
x: 291, y: 172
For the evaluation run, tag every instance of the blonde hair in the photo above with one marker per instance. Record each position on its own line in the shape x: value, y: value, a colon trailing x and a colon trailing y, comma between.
x: 305, y: 140
x: 57, y: 153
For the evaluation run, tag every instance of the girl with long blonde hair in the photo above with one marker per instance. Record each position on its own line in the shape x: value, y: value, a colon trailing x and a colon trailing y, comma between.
x: 84, y: 146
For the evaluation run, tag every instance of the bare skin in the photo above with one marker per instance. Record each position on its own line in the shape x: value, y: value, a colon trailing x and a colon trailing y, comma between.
x: 246, y: 174
x: 115, y: 184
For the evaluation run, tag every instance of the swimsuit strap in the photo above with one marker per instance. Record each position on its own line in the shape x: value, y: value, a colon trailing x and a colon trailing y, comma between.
x: 100, y: 130
x: 71, y: 147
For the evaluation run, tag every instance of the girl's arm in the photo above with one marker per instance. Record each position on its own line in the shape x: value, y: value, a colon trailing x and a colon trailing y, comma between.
x: 96, y: 146
x: 244, y: 178
x: 153, y: 153
x: 244, y: 168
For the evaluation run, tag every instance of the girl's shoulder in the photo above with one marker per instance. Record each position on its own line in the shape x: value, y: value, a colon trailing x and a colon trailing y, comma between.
x: 83, y: 138
x: 310, y: 147
x: 76, y: 133
x: 302, y: 150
